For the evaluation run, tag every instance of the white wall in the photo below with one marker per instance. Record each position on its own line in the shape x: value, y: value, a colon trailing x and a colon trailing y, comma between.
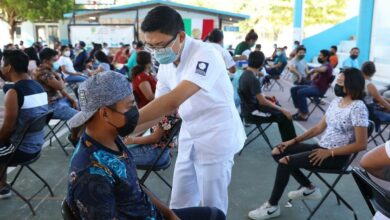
x: 380, y: 41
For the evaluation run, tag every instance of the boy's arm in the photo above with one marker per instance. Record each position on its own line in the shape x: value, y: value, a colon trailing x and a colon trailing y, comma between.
x: 11, y: 111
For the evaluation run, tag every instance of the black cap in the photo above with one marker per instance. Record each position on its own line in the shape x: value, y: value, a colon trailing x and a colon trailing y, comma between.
x: 82, y: 43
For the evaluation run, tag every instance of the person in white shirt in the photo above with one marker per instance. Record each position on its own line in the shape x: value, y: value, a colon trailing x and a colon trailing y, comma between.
x: 216, y: 40
x: 192, y: 77
x: 67, y: 68
x: 105, y: 49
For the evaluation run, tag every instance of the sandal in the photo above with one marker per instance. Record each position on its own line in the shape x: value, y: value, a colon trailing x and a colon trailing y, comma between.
x: 299, y: 118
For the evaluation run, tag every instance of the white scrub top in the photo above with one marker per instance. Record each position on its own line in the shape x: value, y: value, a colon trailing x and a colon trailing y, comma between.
x: 229, y: 62
x: 211, y: 123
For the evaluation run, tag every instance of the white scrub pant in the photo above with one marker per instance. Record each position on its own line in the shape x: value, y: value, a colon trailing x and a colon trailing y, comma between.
x: 196, y: 184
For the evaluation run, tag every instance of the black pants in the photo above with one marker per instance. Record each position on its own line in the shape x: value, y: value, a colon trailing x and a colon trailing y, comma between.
x: 299, y: 158
x: 199, y: 213
x: 285, y: 125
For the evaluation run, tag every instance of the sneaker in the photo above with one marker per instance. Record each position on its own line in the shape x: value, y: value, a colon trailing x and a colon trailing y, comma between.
x: 305, y: 193
x: 265, y: 211
x: 5, y: 192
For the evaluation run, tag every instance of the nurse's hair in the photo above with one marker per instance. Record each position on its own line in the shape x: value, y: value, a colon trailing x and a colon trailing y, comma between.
x: 164, y: 20
x: 216, y: 36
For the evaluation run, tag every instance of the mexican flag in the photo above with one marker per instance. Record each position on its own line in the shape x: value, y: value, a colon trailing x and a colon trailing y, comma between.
x: 198, y: 28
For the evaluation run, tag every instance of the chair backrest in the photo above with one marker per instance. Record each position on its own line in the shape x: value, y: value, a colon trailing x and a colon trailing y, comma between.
x: 35, y: 125
x: 376, y: 197
x: 66, y: 213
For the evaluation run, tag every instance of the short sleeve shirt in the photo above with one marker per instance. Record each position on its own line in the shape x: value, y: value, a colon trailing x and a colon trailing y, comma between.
x: 103, y: 184
x: 241, y: 47
x: 143, y: 77
x: 300, y: 65
x: 341, y: 122
x: 348, y: 63
x: 67, y: 62
x: 210, y: 114
x: 322, y: 79
x: 249, y: 87
x: 225, y: 55
x: 43, y: 74
x: 387, y: 148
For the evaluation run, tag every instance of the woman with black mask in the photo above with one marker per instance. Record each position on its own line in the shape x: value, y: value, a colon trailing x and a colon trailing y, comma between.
x: 344, y: 132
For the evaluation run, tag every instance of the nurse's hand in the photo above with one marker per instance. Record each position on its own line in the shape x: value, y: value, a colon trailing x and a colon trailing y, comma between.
x: 287, y: 113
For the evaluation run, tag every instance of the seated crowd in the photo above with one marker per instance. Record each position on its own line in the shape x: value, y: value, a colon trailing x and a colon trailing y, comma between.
x: 110, y: 93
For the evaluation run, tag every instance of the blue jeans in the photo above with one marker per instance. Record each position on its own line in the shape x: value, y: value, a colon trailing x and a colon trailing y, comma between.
x: 144, y: 155
x: 299, y: 94
x: 75, y: 79
x: 62, y: 109
x: 383, y: 117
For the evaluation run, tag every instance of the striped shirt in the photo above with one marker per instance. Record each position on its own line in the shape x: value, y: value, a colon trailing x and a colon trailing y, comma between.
x: 32, y: 101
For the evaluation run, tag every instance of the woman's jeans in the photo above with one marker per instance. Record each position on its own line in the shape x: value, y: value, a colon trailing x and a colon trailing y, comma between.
x: 299, y: 158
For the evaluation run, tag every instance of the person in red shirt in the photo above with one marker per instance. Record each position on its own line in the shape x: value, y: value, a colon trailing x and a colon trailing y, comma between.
x: 144, y: 84
x: 122, y: 55
x: 333, y: 59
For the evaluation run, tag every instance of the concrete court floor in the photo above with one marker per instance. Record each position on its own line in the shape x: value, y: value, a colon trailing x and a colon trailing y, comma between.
x: 252, y: 180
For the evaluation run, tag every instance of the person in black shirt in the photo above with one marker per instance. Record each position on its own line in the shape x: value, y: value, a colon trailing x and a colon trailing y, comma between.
x: 256, y: 108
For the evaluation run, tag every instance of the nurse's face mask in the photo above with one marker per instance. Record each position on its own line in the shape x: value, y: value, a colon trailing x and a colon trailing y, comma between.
x: 165, y: 54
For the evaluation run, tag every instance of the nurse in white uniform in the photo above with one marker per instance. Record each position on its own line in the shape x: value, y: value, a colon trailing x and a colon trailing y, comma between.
x: 192, y: 78
x: 216, y: 40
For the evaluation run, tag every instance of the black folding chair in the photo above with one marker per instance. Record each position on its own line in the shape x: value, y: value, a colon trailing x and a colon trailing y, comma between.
x: 273, y: 80
x: 154, y: 168
x: 377, y: 198
x: 379, y: 133
x: 53, y: 129
x: 347, y: 169
x: 34, y: 126
x: 258, y: 127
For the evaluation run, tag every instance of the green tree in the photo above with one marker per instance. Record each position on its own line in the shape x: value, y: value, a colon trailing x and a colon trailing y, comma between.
x: 282, y: 13
x: 324, y: 12
x: 16, y: 11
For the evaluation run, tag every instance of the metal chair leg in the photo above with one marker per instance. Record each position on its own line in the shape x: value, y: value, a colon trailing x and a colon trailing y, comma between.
x: 43, y: 180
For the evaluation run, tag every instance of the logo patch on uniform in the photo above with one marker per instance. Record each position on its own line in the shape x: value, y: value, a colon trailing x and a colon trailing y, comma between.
x: 201, y: 68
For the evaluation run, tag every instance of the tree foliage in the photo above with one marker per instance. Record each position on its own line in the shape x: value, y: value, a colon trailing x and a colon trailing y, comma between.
x: 274, y: 15
x: 16, y: 11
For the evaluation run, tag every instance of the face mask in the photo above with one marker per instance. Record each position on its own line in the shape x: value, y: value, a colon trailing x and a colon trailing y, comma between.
x: 339, y: 90
x: 166, y: 55
x: 131, y: 118
x: 278, y: 53
x: 55, y: 66
x: 301, y: 57
x: 67, y: 53
x: 354, y: 56
x: 332, y: 53
x: 320, y: 60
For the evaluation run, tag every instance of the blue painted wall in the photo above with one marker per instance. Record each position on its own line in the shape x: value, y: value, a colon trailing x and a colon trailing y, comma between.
x: 298, y: 13
x: 365, y: 28
x: 329, y: 37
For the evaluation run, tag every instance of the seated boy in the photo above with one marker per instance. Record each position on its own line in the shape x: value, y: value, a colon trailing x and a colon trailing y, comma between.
x: 63, y: 105
x: 102, y: 178
x: 255, y: 108
x: 23, y: 101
